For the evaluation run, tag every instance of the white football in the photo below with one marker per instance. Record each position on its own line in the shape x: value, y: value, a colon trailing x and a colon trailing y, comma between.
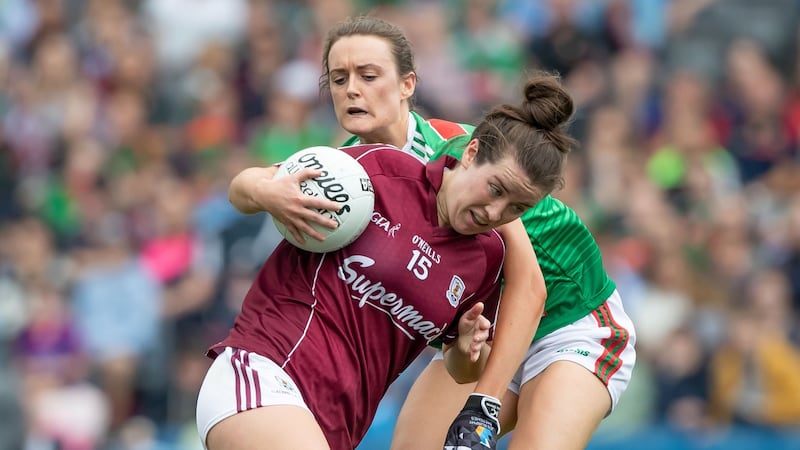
x: 343, y: 180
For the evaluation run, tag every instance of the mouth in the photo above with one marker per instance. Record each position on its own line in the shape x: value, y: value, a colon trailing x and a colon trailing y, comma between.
x: 356, y: 111
x: 478, y: 220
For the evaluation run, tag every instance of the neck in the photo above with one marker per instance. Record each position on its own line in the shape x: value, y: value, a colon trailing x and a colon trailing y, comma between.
x: 441, y: 200
x: 396, y: 134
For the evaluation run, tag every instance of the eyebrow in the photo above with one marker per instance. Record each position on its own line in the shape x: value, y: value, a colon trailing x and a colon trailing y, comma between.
x: 361, y: 67
x: 503, y: 186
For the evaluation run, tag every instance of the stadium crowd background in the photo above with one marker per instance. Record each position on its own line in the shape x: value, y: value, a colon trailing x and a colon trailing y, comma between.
x: 122, y: 121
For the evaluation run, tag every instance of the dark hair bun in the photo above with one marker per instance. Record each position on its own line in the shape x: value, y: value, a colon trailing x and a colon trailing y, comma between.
x: 547, y: 105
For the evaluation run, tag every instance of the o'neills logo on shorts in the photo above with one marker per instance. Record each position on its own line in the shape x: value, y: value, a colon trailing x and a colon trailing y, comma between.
x: 367, y: 292
x: 328, y: 185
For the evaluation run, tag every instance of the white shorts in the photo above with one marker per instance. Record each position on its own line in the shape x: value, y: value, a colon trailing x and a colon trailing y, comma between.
x: 602, y: 342
x: 238, y: 381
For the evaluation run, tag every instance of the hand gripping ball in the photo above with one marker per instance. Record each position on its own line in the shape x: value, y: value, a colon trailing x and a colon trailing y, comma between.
x: 344, y: 181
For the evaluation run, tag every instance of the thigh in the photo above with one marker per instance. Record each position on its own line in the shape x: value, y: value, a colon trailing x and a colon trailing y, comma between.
x: 602, y: 342
x: 508, y: 412
x: 278, y: 426
x: 246, y: 402
x: 572, y: 378
x: 559, y: 408
x: 430, y: 407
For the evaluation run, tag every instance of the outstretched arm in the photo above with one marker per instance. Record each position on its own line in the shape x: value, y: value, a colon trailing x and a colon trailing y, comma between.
x: 521, y: 308
x: 518, y: 316
x: 255, y: 190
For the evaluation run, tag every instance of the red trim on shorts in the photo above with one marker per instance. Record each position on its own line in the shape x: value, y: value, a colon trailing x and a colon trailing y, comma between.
x: 609, y: 362
x: 238, y: 382
x: 246, y: 375
x: 256, y: 383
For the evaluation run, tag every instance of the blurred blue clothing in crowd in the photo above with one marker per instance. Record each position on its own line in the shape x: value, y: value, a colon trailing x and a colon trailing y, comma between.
x: 118, y: 310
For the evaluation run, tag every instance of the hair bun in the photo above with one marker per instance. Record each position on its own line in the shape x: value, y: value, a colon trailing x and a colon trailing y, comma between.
x: 547, y: 105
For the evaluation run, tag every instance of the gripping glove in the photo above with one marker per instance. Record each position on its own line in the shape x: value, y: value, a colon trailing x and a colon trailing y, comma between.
x: 477, y: 425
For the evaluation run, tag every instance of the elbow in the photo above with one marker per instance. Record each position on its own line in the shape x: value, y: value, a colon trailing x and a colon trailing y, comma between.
x: 464, y: 374
x: 465, y: 378
x: 541, y: 294
x: 463, y: 371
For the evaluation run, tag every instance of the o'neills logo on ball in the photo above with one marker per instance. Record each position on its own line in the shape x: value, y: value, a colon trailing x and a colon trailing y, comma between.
x: 331, y: 189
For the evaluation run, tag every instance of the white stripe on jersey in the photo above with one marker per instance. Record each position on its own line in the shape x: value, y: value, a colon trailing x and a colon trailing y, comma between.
x: 419, y: 148
x: 385, y: 148
x: 500, y: 270
x: 310, y: 314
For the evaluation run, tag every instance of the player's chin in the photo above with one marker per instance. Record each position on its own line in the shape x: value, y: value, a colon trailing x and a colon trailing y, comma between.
x: 469, y: 228
x: 357, y: 124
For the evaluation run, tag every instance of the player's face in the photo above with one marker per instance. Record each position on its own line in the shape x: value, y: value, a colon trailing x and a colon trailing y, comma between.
x: 478, y: 198
x: 369, y: 97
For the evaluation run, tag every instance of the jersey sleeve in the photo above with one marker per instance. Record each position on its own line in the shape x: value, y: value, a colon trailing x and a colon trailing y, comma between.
x: 359, y: 150
x: 446, y: 129
x: 443, y: 137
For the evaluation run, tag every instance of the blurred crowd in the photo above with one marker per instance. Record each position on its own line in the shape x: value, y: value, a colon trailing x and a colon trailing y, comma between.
x: 122, y: 122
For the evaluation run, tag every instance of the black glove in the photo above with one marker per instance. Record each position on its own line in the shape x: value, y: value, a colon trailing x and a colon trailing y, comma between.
x: 477, y: 425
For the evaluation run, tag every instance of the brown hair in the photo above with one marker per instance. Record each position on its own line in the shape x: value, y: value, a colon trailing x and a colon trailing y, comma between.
x: 534, y: 130
x: 369, y: 26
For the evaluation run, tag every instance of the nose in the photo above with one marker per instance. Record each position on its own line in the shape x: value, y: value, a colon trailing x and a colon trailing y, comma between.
x: 494, y: 211
x: 352, y: 87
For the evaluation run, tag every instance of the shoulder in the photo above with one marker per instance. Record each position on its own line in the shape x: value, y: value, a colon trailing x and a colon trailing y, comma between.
x: 446, y: 129
x: 553, y: 223
x: 384, y: 159
x: 553, y: 209
x: 494, y: 249
x: 359, y: 150
x: 439, y: 130
x: 493, y: 246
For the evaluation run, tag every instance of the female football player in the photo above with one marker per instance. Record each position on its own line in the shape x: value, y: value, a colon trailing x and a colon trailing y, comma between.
x: 321, y: 336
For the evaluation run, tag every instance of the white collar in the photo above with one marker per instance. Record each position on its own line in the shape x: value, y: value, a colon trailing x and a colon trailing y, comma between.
x: 412, y: 128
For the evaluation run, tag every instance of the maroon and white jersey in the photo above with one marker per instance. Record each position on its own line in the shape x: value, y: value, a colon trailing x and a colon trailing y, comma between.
x: 345, y: 324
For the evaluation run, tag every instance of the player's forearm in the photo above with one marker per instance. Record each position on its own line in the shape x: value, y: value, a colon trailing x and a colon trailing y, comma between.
x: 513, y: 335
x: 461, y: 368
x: 246, y: 189
x: 521, y: 308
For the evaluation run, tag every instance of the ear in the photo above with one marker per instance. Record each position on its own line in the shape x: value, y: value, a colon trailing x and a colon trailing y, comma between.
x: 408, y: 85
x: 468, y: 157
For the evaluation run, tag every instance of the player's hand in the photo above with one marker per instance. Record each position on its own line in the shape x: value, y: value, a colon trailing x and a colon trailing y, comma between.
x: 473, y: 331
x: 298, y: 210
x: 477, y: 425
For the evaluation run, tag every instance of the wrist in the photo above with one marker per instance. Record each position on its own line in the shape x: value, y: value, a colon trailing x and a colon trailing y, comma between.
x: 477, y: 426
x: 479, y: 396
x: 487, y: 405
x: 261, y: 191
x: 489, y: 387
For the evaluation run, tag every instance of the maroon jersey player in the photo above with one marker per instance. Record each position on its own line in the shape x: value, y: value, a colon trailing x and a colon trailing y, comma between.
x: 405, y: 283
x: 321, y: 336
